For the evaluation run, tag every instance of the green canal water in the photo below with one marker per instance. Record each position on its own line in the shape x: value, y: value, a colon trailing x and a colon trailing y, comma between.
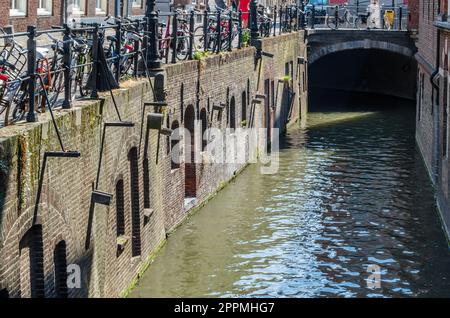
x: 351, y: 192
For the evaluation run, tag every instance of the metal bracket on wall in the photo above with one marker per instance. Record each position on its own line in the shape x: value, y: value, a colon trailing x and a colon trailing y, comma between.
x: 166, y: 131
x: 219, y: 107
x: 100, y: 197
x: 158, y: 108
x: 267, y: 54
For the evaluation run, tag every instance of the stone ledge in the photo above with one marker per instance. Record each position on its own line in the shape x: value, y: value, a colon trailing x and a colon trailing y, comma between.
x: 442, y: 25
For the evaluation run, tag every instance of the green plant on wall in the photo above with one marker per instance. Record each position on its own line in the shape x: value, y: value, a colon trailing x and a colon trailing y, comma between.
x: 198, y: 55
x: 245, y: 37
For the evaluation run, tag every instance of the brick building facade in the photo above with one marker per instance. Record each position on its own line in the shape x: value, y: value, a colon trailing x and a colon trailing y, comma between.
x: 442, y: 25
x: 45, y: 13
x: 432, y: 117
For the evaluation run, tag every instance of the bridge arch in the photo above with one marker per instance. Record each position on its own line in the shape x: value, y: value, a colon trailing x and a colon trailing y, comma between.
x: 359, y: 44
x: 380, y: 63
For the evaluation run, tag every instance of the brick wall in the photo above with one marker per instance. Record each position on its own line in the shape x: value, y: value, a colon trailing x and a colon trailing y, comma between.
x: 413, y: 14
x: 426, y: 57
x: 432, y: 120
x: 90, y: 235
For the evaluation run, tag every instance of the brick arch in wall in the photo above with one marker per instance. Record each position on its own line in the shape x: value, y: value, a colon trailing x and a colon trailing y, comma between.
x: 49, y: 219
x: 232, y: 113
x: 123, y: 165
x: 130, y: 142
x: 243, y: 106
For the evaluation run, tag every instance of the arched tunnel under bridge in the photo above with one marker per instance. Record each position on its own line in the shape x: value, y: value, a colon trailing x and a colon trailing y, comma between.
x: 372, y: 71
x: 378, y: 63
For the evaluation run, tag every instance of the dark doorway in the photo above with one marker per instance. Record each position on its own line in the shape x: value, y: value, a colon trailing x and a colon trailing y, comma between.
x: 32, y: 264
x: 233, y: 113
x: 244, y: 107
x: 190, y: 178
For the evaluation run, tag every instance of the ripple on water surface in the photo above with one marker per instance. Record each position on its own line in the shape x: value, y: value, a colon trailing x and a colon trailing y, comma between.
x: 351, y: 191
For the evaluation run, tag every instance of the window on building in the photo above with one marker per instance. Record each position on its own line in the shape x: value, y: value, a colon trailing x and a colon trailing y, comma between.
x: 18, y: 8
x: 101, y: 6
x: 76, y: 7
x: 45, y: 7
x: 174, y: 147
x: 137, y: 3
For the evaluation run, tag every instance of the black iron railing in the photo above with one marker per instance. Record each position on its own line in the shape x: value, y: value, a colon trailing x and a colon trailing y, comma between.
x: 80, y: 60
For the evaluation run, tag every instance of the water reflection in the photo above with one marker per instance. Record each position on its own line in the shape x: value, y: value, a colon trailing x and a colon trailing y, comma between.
x: 351, y: 191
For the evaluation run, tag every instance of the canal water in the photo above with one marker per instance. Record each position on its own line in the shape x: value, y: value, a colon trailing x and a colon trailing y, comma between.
x: 351, y: 200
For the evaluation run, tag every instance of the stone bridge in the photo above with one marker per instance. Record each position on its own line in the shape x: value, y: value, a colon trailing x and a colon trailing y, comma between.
x: 326, y: 41
x: 374, y: 61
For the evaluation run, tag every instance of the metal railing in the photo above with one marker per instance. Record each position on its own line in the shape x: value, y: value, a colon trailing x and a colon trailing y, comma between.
x: 79, y: 60
x: 356, y: 17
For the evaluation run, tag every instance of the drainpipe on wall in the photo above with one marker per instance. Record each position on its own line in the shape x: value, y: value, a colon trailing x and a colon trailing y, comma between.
x: 434, y: 80
x: 117, y: 8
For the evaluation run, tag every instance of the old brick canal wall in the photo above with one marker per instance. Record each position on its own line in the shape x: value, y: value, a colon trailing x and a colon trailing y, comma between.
x: 112, y: 244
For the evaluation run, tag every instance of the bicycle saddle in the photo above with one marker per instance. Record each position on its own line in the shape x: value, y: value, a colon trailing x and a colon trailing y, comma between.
x: 161, y: 24
x: 41, y: 52
x: 111, y: 38
x: 135, y: 37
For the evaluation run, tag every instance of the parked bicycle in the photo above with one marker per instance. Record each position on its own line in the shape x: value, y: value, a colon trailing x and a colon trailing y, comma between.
x: 167, y: 40
x: 215, y: 41
x: 341, y: 16
x: 265, y: 25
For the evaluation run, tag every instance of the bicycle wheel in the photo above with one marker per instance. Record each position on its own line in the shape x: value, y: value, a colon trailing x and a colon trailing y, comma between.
x: 83, y: 73
x: 20, y: 103
x: 2, y: 105
x: 57, y: 89
x: 126, y: 65
x: 330, y: 21
x: 199, y: 39
x: 183, y: 48
x: 357, y: 24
